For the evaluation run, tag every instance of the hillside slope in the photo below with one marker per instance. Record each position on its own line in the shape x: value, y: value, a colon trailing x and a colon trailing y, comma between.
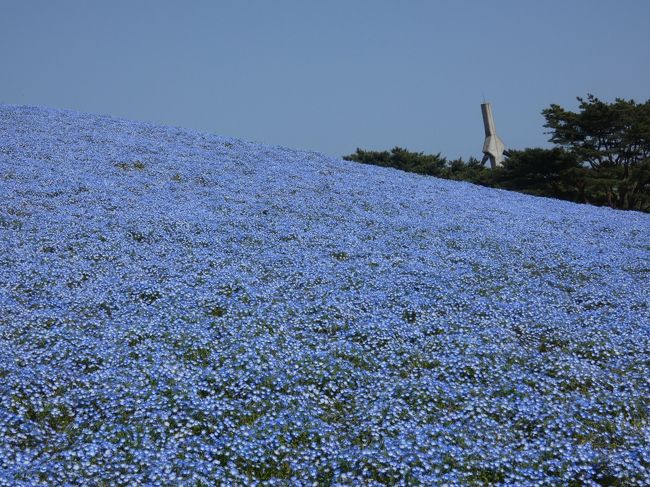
x: 183, y: 307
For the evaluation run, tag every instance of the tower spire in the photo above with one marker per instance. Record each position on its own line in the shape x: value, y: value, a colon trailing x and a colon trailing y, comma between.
x: 493, y: 147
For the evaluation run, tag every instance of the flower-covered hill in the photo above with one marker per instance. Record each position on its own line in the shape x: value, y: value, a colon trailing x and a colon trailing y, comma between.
x: 183, y: 308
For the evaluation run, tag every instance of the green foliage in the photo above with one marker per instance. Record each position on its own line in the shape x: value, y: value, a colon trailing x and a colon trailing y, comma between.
x: 541, y: 172
x: 340, y: 256
x: 137, y: 165
x: 217, y: 311
x: 472, y: 171
x: 418, y: 162
x: 410, y: 316
x: 613, y: 139
x: 603, y: 134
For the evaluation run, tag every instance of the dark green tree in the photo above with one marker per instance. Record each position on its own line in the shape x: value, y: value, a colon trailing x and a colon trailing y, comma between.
x: 542, y: 172
x: 614, y: 140
x: 418, y: 162
x: 473, y: 171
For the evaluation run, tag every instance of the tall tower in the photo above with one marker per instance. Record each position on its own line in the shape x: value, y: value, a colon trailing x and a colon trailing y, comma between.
x: 493, y: 147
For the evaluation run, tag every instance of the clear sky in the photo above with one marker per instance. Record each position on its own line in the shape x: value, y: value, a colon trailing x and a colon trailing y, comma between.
x: 327, y: 75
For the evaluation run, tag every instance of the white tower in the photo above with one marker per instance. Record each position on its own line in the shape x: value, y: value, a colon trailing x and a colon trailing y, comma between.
x: 493, y: 147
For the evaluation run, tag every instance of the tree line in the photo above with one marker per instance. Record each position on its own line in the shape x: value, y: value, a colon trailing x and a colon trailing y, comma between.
x: 601, y: 157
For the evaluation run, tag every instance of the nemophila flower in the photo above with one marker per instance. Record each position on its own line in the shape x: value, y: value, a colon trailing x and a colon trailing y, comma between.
x: 183, y: 308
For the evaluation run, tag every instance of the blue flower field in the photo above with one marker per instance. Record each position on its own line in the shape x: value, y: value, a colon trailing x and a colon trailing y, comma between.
x: 179, y: 308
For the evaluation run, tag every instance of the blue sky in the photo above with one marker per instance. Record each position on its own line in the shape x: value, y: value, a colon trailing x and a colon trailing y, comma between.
x: 329, y: 76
